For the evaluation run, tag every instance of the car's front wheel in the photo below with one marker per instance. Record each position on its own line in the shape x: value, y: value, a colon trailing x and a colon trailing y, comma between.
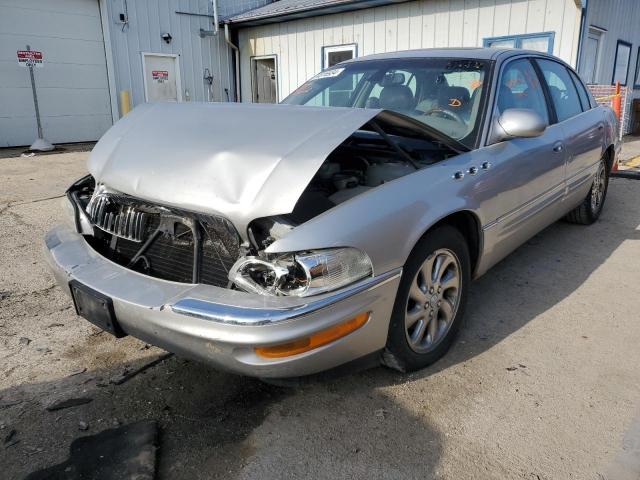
x: 589, y: 210
x: 430, y: 302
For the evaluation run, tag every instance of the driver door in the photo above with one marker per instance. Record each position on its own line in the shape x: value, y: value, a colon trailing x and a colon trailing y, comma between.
x: 525, y: 178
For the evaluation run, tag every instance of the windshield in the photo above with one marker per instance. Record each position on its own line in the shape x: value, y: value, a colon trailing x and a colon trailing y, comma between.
x: 444, y: 93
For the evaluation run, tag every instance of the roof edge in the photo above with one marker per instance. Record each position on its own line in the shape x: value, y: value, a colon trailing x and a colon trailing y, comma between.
x: 306, y: 12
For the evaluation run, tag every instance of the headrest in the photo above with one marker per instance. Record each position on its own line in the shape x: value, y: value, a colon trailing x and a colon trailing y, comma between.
x: 397, y: 97
x: 389, y: 79
x: 453, y: 97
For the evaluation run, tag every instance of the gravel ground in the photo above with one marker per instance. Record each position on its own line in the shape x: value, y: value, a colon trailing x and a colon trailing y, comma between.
x: 543, y: 382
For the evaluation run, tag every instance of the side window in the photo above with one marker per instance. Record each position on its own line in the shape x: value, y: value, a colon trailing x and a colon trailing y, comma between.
x: 582, y: 92
x: 520, y: 88
x: 561, y: 89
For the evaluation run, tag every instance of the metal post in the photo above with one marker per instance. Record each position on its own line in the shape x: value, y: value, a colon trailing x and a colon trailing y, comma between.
x: 35, y: 100
x: 40, y: 143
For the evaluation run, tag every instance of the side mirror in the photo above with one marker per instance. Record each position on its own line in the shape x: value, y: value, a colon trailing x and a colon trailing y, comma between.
x: 519, y: 123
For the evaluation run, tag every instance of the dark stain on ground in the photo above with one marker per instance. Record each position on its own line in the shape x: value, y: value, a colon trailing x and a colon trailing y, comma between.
x: 204, y: 417
x: 207, y: 427
x: 125, y: 452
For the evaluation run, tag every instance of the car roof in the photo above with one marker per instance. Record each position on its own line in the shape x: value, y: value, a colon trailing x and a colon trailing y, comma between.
x: 480, y: 53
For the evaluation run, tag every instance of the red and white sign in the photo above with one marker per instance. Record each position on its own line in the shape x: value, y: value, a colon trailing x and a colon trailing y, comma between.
x: 160, y: 76
x: 30, y: 58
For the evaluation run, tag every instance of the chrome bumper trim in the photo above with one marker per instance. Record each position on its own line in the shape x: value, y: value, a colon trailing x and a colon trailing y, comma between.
x: 235, y: 315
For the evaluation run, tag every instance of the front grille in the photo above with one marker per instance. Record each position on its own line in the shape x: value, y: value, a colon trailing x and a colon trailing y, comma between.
x: 121, y: 220
x: 169, y: 244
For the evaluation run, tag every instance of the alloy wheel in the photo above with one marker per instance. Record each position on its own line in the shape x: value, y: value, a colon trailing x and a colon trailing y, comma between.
x: 598, y: 188
x: 433, y: 300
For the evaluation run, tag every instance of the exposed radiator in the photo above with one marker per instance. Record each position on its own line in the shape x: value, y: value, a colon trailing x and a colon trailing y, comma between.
x: 163, y: 242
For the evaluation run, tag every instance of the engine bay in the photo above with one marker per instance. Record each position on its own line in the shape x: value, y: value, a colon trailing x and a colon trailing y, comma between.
x: 365, y: 160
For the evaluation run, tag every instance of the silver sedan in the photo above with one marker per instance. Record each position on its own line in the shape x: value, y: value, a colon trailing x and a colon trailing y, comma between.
x: 341, y: 227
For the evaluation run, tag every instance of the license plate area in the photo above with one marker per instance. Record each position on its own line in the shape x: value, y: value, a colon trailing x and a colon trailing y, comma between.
x: 96, y: 308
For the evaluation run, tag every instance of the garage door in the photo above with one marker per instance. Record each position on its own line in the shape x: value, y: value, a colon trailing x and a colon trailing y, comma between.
x: 72, y: 86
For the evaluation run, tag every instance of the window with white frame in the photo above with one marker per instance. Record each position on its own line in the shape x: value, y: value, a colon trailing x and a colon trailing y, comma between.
x: 339, y: 93
x: 540, y: 42
x: 338, y: 53
x: 621, y: 63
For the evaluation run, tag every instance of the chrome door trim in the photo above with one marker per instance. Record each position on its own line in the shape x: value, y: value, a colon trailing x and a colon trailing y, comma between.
x: 544, y: 199
x: 580, y: 178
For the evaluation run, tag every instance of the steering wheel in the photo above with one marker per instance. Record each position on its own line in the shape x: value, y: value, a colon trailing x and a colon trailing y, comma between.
x: 445, y: 113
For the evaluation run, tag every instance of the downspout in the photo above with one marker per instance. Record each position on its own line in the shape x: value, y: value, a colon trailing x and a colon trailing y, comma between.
x: 215, y: 15
x: 236, y: 52
x: 581, y: 38
x: 108, y: 53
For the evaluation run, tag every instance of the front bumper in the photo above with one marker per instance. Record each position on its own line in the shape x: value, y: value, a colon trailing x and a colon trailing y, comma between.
x: 220, y: 326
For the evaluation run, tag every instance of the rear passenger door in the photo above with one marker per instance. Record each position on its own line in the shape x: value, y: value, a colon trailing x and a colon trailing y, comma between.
x: 582, y: 126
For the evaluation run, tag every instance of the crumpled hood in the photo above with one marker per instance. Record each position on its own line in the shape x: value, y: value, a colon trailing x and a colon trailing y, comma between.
x: 241, y: 161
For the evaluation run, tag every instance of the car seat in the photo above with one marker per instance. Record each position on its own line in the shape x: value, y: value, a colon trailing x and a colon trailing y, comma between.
x: 397, y: 97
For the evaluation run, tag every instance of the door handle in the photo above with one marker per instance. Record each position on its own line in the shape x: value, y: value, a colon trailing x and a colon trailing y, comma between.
x: 558, y: 147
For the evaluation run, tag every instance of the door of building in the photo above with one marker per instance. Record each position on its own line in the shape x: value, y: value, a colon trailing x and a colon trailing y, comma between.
x: 265, y: 80
x: 161, y: 77
x: 591, y: 52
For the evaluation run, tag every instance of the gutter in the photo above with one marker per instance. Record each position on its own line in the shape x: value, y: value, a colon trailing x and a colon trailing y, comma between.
x: 108, y: 53
x: 236, y: 52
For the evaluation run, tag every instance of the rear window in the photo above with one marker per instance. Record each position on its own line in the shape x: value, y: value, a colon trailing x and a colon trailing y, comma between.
x: 585, y: 99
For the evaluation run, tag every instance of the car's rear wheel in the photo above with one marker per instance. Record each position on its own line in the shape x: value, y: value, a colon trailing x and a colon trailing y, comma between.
x: 430, y: 302
x: 590, y: 209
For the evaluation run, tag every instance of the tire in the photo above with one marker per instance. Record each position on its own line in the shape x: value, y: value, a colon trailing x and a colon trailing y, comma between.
x: 590, y: 209
x: 442, y: 249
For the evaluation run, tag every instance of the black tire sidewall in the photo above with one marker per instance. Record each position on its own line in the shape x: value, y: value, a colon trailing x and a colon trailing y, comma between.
x: 405, y: 358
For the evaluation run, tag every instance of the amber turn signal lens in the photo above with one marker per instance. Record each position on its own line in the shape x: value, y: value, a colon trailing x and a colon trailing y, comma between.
x: 314, y: 341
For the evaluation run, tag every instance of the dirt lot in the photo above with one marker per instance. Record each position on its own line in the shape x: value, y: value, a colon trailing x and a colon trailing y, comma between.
x: 543, y: 383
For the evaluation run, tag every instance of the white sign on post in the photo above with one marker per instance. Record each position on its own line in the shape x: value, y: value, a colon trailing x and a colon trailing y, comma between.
x: 30, y: 58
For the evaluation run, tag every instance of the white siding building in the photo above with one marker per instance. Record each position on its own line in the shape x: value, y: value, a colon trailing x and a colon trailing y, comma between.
x: 94, y: 49
x: 299, y: 38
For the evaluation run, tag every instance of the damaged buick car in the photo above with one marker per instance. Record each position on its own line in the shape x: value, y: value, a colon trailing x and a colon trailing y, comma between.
x: 342, y: 226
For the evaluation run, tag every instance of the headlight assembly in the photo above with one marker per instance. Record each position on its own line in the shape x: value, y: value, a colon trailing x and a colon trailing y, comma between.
x: 301, y: 274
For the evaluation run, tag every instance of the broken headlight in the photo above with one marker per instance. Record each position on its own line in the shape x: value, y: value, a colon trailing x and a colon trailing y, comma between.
x: 301, y: 274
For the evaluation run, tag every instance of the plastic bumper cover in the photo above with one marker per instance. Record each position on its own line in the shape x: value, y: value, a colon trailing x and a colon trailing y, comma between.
x: 221, y: 326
